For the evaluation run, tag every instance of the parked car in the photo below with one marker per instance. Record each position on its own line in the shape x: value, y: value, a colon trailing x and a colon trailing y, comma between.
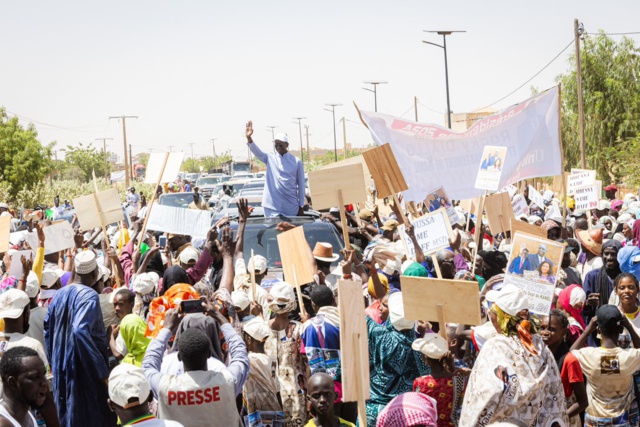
x: 232, y: 209
x: 176, y: 200
x: 243, y: 175
x: 261, y: 235
x: 254, y: 183
x: 207, y: 183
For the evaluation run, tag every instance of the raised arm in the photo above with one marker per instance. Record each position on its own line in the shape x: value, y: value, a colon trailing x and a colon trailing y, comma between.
x: 301, y: 187
x: 411, y: 232
x: 252, y: 145
x: 38, y: 262
x: 243, y: 214
x: 226, y: 249
x: 153, y: 357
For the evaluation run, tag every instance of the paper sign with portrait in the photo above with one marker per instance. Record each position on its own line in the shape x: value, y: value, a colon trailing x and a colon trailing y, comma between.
x: 490, y: 170
x: 437, y: 199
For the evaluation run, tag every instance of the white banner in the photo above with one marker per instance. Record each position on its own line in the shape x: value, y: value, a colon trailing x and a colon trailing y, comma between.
x: 432, y: 232
x: 536, y: 197
x: 431, y: 156
x: 579, y: 179
x: 586, y: 197
x: 171, y: 169
x: 188, y: 222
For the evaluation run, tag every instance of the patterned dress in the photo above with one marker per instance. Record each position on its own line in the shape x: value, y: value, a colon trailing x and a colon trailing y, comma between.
x: 393, y: 365
x: 448, y: 392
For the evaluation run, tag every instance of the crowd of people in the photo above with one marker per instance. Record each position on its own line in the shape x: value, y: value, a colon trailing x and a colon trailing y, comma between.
x: 121, y: 330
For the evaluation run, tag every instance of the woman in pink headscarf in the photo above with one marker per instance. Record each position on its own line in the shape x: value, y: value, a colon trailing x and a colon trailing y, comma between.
x: 409, y: 410
x: 570, y: 301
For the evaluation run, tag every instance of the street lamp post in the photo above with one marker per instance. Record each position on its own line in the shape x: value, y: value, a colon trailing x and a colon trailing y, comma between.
x: 213, y: 143
x: 444, y: 35
x: 299, y: 119
x: 375, y: 92
x: 335, y: 141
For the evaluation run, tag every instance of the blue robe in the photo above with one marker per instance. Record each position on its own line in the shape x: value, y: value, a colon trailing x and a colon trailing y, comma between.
x: 76, y: 345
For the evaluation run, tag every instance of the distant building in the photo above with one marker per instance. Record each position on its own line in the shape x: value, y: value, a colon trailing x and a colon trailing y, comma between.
x: 463, y: 121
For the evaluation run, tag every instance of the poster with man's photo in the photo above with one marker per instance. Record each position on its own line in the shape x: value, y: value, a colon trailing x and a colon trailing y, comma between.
x: 437, y: 199
x: 491, y: 165
x: 533, y: 267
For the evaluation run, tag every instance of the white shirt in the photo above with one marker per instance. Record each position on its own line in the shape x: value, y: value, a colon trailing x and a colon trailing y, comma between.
x: 36, y: 324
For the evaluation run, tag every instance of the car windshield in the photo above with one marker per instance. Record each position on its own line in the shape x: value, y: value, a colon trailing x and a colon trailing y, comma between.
x: 253, y: 204
x: 263, y: 239
x: 177, y: 200
x: 210, y: 180
x: 259, y: 184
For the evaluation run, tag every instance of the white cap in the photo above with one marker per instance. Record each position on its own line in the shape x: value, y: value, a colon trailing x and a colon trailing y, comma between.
x: 127, y: 381
x: 510, y: 299
x: 145, y: 283
x: 261, y: 264
x: 189, y: 255
x: 33, y: 285
x: 431, y: 345
x: 49, y: 278
x: 12, y: 303
x: 240, y: 299
x: 105, y: 273
x: 85, y: 262
x: 257, y: 329
x: 392, y: 266
x: 396, y: 312
x: 4, y: 205
x: 282, y: 293
x: 282, y: 137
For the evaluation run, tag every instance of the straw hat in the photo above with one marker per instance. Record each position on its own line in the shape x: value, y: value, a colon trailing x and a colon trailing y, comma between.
x: 324, y: 252
x: 591, y: 240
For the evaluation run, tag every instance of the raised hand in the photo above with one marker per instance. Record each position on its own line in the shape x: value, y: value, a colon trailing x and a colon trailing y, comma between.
x: 243, y: 209
x: 249, y: 130
x: 40, y: 231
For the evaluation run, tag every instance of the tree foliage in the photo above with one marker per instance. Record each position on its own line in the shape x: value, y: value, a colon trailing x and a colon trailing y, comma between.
x: 24, y: 161
x: 611, y: 99
x: 80, y: 161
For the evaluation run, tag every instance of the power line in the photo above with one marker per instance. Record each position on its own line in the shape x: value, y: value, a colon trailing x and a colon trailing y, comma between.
x: 532, y: 77
x: 74, y: 128
x: 613, y: 34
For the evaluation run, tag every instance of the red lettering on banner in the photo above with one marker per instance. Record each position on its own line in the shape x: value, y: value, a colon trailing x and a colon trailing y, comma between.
x: 171, y: 396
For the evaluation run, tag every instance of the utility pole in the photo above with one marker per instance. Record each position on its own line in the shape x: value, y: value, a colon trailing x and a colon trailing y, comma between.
x: 106, y: 162
x: 444, y: 35
x: 306, y: 127
x: 170, y: 148
x: 131, y: 163
x: 124, y: 138
x: 273, y: 137
x: 213, y: 143
x: 415, y: 106
x: 375, y: 92
x: 344, y: 136
x: 335, y: 141
x: 299, y: 119
x: 578, y: 30
x: 193, y: 162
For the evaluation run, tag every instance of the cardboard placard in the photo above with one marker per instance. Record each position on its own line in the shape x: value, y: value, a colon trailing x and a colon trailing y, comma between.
x: 586, y: 197
x: 490, y: 170
x: 5, y: 232
x: 57, y: 237
x: 188, y: 222
x: 324, y: 183
x: 432, y: 231
x: 16, y: 263
x: 381, y: 161
x: 525, y: 227
x: 458, y: 298
x: 536, y: 198
x: 533, y: 267
x: 354, y: 343
x: 519, y: 205
x: 88, y: 213
x: 171, y: 170
x: 499, y: 212
x: 577, y: 180
x: 293, y: 253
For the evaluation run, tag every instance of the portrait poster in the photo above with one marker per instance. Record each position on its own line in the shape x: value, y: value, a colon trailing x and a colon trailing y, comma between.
x: 491, y: 165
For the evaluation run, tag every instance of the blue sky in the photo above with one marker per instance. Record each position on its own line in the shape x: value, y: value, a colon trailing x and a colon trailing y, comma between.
x: 196, y: 70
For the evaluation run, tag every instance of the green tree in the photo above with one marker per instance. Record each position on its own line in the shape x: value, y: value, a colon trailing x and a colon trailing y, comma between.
x: 611, y: 94
x: 24, y: 161
x: 80, y: 161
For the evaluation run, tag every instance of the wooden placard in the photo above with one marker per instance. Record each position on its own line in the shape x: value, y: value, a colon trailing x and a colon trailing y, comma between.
x: 58, y: 237
x: 294, y: 251
x: 458, y: 298
x: 499, y: 212
x: 5, y: 231
x: 525, y: 227
x: 324, y: 183
x: 354, y: 344
x: 432, y: 231
x: 88, y: 213
x: 381, y: 162
x: 161, y: 168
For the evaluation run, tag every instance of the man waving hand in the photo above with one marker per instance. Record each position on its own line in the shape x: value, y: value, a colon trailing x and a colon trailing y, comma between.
x: 284, y: 189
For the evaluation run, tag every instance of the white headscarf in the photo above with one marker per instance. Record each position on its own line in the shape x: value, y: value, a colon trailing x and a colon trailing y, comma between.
x: 396, y: 312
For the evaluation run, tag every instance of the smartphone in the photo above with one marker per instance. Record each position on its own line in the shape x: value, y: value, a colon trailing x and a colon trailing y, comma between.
x: 191, y: 306
x: 162, y: 241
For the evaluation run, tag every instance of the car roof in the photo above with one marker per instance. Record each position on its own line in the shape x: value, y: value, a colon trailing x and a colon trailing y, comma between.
x: 250, y: 198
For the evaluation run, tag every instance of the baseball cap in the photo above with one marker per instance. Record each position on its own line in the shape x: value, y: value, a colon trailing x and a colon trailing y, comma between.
x: 240, y: 299
x: 611, y: 187
x: 128, y: 386
x: 145, y: 283
x: 431, y: 345
x: 510, y: 299
x: 390, y: 225
x: 49, y: 278
x: 33, y: 285
x: 282, y: 137
x: 609, y: 316
x: 12, y: 303
x: 260, y: 264
x: 85, y: 262
x: 189, y: 255
x: 366, y: 214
